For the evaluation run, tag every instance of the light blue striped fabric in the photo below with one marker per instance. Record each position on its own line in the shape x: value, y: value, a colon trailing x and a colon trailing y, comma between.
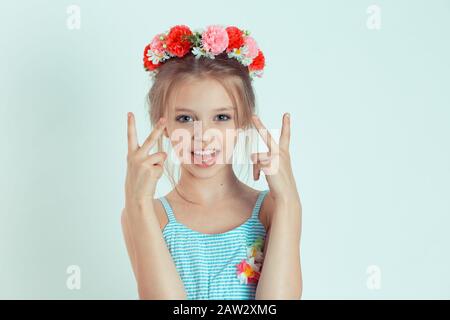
x: 207, y: 262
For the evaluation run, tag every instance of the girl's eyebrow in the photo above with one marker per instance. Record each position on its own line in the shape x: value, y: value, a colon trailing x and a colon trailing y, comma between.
x: 227, y: 108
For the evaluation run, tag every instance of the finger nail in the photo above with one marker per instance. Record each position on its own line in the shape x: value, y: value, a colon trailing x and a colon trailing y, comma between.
x: 129, y: 115
x: 288, y: 115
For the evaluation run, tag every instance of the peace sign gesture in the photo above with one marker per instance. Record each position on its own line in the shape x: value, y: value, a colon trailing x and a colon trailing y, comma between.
x: 143, y: 170
x: 276, y: 163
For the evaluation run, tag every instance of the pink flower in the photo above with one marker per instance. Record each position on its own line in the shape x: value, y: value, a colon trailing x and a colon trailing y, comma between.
x: 155, y: 52
x: 247, y: 271
x: 252, y: 46
x: 157, y: 44
x: 215, y: 39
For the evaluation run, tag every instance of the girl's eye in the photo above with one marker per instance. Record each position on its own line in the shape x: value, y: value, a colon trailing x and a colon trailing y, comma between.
x: 223, y: 117
x: 184, y: 118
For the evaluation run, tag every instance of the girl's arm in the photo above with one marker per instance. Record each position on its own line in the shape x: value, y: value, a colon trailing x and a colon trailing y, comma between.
x: 281, y: 276
x: 153, y: 267
x: 128, y: 242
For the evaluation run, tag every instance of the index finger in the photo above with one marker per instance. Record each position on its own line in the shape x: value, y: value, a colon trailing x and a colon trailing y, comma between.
x: 154, y: 135
x: 285, y: 132
x: 131, y: 133
x: 265, y: 134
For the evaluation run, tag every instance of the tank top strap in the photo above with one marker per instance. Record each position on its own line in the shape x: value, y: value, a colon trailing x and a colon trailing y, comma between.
x: 259, y: 201
x: 167, y: 208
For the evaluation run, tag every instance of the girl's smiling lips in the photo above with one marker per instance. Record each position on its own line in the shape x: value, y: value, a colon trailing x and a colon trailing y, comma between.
x: 204, y: 158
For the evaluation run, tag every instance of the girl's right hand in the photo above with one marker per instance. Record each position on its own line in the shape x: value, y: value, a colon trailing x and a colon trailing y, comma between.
x: 143, y: 169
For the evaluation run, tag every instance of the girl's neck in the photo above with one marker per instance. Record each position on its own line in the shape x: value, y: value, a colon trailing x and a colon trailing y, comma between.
x: 207, y: 191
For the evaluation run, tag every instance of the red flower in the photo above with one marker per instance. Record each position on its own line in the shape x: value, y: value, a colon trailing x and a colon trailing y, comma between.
x: 255, y: 278
x: 178, y: 42
x: 235, y: 38
x: 258, y: 63
x: 148, y: 64
x: 247, y: 271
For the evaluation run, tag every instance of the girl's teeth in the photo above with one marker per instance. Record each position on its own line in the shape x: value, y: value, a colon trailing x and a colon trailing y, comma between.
x: 200, y: 153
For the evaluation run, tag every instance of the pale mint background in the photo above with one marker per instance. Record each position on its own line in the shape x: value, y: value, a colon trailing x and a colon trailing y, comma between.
x: 370, y: 138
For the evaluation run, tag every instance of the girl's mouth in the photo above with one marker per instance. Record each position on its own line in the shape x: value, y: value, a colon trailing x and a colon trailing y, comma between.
x: 204, y: 158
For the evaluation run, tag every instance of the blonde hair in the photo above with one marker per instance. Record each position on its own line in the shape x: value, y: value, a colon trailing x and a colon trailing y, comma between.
x: 229, y: 72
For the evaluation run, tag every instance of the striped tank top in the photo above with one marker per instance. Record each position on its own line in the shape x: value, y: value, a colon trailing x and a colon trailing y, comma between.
x: 221, y: 265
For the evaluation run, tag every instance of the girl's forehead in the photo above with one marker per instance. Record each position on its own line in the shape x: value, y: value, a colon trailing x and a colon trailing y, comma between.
x: 201, y: 91
x: 200, y: 96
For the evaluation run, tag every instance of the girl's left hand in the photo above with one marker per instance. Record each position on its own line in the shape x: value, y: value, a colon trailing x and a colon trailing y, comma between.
x: 276, y: 163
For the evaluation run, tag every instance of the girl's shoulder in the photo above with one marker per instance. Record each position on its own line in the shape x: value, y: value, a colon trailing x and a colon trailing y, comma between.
x: 160, y: 213
x: 266, y: 207
x: 266, y: 210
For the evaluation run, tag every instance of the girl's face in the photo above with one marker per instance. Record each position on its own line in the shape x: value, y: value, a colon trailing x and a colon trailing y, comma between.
x: 201, y: 126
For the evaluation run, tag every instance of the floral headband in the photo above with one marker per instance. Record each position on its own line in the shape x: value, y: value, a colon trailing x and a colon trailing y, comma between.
x: 214, y: 40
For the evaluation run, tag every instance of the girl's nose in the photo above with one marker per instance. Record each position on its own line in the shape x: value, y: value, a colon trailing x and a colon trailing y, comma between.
x: 204, y: 131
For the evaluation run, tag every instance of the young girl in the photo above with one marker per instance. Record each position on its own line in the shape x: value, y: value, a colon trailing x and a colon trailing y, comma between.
x: 212, y: 236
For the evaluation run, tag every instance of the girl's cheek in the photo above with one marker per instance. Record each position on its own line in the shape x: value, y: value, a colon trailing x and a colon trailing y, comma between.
x: 228, y: 145
x: 183, y: 153
x: 180, y: 140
